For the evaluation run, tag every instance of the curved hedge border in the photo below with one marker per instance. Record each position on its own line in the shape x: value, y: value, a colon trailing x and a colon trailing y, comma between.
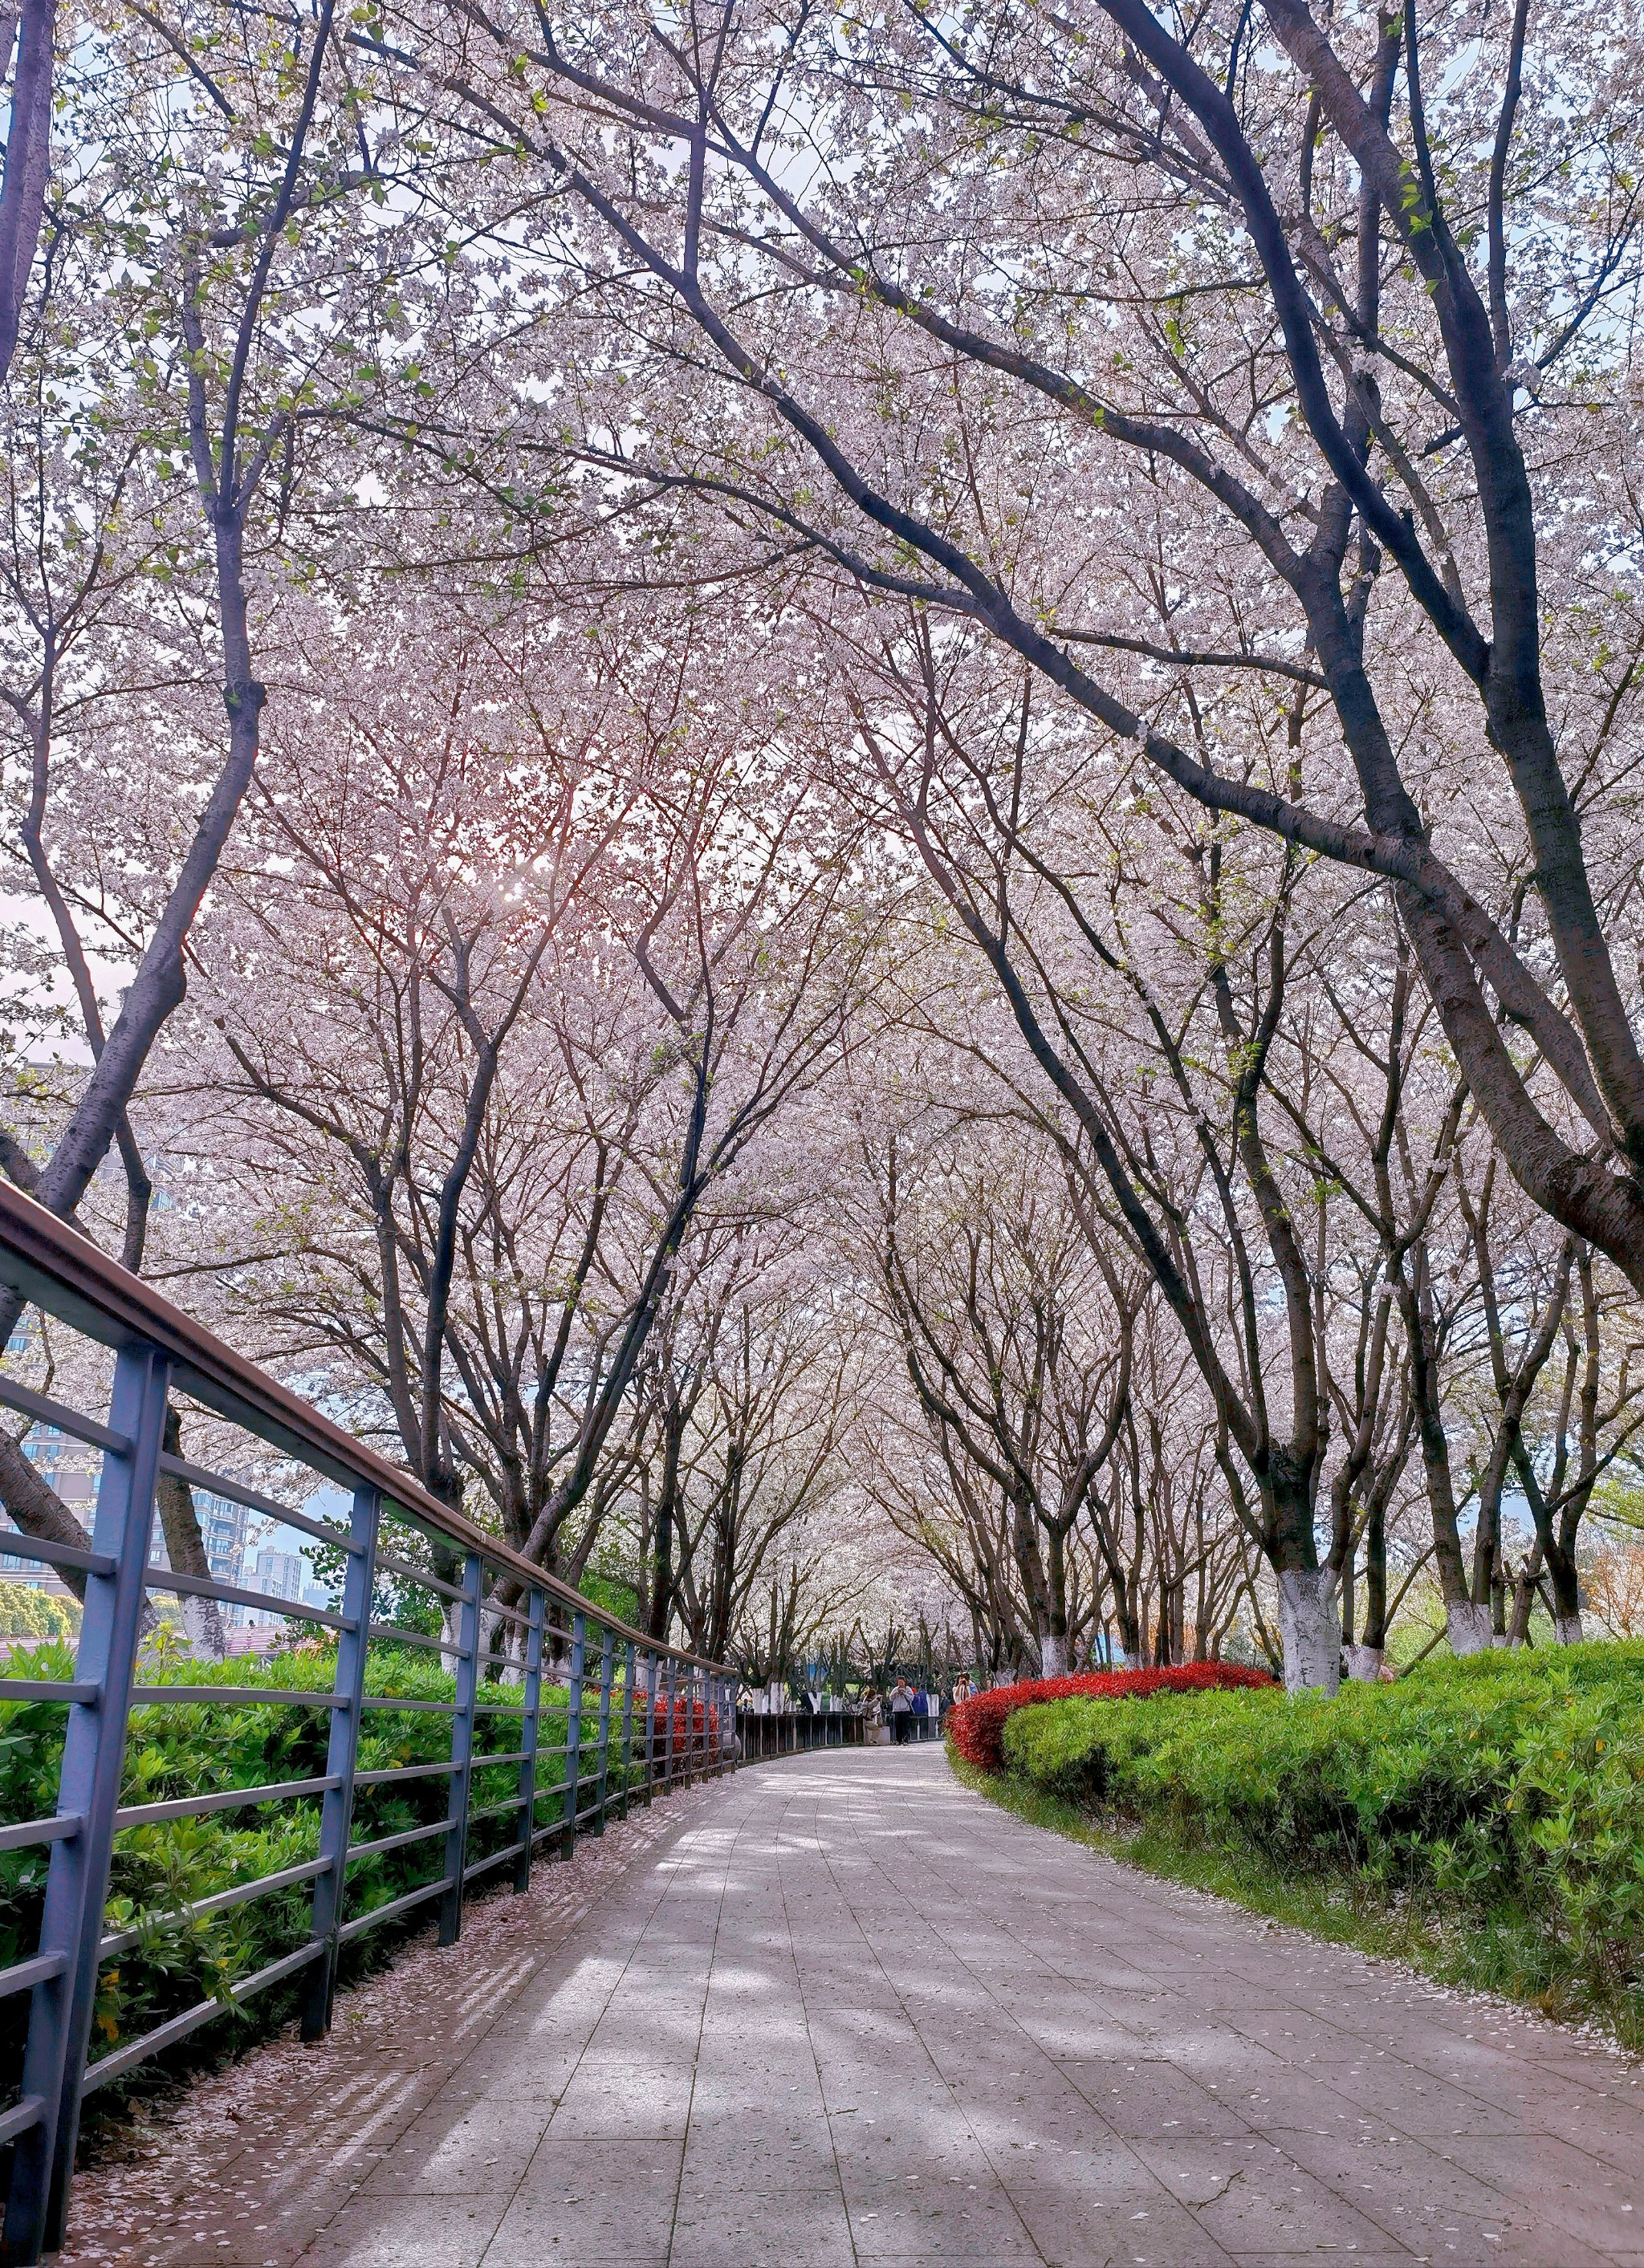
x: 976, y: 1726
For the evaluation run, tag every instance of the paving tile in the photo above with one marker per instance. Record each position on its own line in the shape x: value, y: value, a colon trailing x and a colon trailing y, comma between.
x: 1158, y: 2232
x: 936, y: 2152
x: 515, y: 2069
x: 230, y: 2244
x: 1415, y: 2103
x: 563, y: 2168
x: 1462, y: 2243
x: 613, y: 2101
x: 459, y: 2148
x: 1576, y: 2195
x: 407, y: 2233
x: 785, y: 2227
x: 1264, y: 2204
x: 1606, y: 2128
x: 585, y: 2201
x: 1390, y: 2177
x: 961, y: 2219
x: 749, y: 2107
x: 999, y: 2117
x: 1155, y: 2098
x: 1076, y: 2034
x: 757, y: 2152
x: 1348, y: 2259
x: 640, y: 2037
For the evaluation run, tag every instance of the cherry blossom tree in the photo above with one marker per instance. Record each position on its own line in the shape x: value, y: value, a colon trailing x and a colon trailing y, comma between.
x: 510, y: 967
x: 950, y: 306
x: 202, y: 282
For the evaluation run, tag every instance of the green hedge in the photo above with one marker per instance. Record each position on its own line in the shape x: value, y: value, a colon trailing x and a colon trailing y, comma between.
x: 189, y: 1749
x: 1501, y: 1797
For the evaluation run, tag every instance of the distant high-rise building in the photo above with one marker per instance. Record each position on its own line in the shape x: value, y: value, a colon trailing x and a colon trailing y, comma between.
x: 282, y: 1573
x: 223, y: 1527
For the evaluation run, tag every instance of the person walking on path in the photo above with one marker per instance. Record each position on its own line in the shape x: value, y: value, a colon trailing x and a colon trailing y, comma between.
x: 900, y: 1713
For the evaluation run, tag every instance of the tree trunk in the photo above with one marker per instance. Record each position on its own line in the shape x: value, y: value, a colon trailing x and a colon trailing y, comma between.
x: 23, y: 197
x: 1053, y: 1654
x: 1567, y: 1597
x: 1308, y: 1609
x: 1469, y: 1627
x: 1310, y: 1631
x: 37, y: 1508
x: 1435, y: 1465
x: 185, y: 1550
x: 668, y: 1496
x: 1365, y: 1658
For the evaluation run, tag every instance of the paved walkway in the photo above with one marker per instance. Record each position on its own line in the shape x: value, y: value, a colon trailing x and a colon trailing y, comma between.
x: 851, y: 2014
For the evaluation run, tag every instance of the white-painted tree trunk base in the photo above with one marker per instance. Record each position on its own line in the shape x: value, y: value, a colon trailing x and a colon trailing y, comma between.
x: 1567, y: 1630
x: 204, y: 1628
x: 1468, y: 1629
x: 1364, y: 1663
x: 1053, y: 1662
x: 501, y: 1641
x: 1311, y: 1632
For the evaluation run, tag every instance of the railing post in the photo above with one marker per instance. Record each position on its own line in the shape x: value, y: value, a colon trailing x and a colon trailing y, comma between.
x: 607, y: 1659
x: 530, y: 1734
x: 88, y: 1787
x: 336, y: 1812
x: 652, y: 1679
x: 629, y: 1666
x: 462, y: 1748
x: 672, y: 1678
x: 573, y: 1734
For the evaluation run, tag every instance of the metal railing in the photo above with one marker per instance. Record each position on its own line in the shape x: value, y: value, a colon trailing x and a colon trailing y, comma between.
x: 557, y: 1714
x: 762, y: 1733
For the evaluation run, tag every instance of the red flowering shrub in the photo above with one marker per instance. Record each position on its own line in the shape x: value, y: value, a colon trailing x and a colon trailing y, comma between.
x: 975, y: 1726
x: 693, y: 1720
